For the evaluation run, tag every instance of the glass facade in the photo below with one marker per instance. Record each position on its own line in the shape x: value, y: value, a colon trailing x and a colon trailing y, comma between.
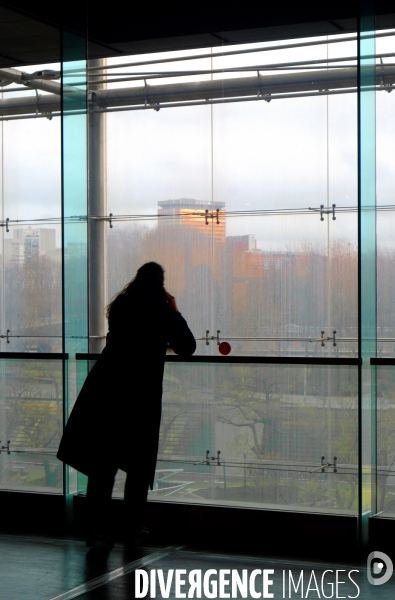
x: 260, y: 176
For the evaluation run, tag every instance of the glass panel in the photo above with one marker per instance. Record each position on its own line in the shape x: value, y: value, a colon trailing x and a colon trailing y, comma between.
x: 31, y: 392
x: 288, y: 154
x: 385, y: 140
x: 285, y: 280
x: 262, y: 170
x: 75, y: 197
x: 367, y: 266
x: 159, y: 166
x: 385, y: 149
x: 386, y: 441
x: 271, y: 424
x: 31, y: 420
x: 289, y: 157
x: 74, y: 150
x: 385, y: 283
x: 158, y: 156
x: 341, y: 304
x: 78, y: 371
x: 183, y: 249
x: 274, y: 426
x: 30, y: 264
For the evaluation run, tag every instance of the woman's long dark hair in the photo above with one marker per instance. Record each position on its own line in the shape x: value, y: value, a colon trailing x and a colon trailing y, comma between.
x: 146, y: 285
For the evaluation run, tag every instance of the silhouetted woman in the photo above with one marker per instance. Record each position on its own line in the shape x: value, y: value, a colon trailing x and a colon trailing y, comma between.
x: 116, y: 418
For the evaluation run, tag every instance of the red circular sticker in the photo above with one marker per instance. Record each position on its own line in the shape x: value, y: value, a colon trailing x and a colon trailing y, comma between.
x: 224, y: 348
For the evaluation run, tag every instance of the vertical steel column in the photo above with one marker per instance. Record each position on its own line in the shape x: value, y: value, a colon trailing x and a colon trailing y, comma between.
x: 97, y: 207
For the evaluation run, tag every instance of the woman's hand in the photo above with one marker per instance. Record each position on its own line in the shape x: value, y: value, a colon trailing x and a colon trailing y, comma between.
x: 171, y: 301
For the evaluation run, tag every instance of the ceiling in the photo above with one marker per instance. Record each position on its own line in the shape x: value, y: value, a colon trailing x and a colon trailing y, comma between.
x: 30, y: 33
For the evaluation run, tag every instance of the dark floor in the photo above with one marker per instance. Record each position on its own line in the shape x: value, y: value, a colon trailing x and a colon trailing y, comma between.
x: 40, y: 568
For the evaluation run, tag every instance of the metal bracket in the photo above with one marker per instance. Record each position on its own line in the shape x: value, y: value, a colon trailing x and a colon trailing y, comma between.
x: 5, y: 224
x: 6, y: 336
x: 323, y: 339
x: 207, y: 216
x: 206, y: 461
x: 147, y: 103
x: 266, y: 97
x: 7, y: 447
x: 260, y: 94
x: 110, y: 216
x: 324, y: 466
x: 209, y: 459
x: 325, y: 211
x: 212, y: 337
x: 385, y: 86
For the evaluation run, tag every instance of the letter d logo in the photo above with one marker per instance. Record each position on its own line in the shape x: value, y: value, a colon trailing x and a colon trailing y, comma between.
x: 378, y: 567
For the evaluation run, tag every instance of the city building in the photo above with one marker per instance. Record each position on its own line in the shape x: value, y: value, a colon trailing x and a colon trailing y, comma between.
x: 249, y: 150
x: 29, y: 244
x: 200, y: 215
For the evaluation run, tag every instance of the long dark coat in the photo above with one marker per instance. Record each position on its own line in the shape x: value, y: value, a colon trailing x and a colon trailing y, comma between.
x: 116, y: 418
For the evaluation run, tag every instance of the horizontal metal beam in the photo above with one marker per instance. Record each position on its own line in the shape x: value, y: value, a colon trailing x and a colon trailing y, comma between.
x: 260, y: 86
x: 20, y: 77
x: 236, y: 87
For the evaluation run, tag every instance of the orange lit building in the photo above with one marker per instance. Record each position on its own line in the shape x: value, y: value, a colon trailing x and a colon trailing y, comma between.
x: 201, y: 215
x: 196, y: 231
